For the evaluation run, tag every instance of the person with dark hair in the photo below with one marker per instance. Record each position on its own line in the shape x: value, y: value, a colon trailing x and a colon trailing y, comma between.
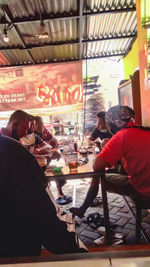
x: 28, y: 216
x: 100, y: 130
x: 42, y: 132
x: 18, y: 125
x: 36, y: 145
x: 114, y: 119
x: 18, y: 128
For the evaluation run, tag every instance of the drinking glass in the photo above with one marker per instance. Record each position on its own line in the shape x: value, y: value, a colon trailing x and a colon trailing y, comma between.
x: 42, y: 162
x: 71, y: 160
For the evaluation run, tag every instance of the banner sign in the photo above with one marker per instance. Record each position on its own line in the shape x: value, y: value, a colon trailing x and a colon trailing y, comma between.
x: 41, y: 86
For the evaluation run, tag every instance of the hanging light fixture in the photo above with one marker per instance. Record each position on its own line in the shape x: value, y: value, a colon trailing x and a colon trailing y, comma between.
x: 5, y: 38
x: 7, y: 26
x: 43, y: 33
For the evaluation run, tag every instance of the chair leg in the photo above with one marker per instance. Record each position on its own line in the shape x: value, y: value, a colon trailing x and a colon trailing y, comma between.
x: 138, y: 225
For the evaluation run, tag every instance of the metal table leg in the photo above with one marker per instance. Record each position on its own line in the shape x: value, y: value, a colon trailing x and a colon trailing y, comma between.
x: 105, y: 211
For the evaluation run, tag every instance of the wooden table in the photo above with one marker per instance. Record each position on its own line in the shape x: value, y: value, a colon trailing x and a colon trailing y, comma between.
x: 84, y: 171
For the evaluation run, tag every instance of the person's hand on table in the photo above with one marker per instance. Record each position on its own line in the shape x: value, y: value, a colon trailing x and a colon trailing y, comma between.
x: 55, y: 155
x: 42, y: 149
x: 91, y: 142
x: 52, y: 156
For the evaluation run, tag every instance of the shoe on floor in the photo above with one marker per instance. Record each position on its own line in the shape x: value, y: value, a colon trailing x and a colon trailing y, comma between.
x: 63, y: 200
x: 101, y: 231
x: 94, y: 220
x: 96, y: 202
x: 76, y: 212
x: 101, y: 241
x: 94, y: 217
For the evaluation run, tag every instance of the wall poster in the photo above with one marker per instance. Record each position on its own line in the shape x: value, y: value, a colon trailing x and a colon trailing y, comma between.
x: 49, y: 86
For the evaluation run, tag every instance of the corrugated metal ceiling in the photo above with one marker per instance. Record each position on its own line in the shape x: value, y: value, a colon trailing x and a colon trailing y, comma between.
x: 77, y: 29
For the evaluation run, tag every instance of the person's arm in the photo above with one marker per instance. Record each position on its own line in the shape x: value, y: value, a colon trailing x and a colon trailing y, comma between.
x: 53, y: 142
x: 94, y: 135
x: 51, y: 139
x: 43, y: 148
x: 111, y: 153
x: 91, y: 139
x: 100, y: 164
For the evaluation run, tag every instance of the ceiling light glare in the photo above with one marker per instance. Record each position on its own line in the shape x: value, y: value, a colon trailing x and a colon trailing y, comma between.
x: 43, y: 35
x: 6, y: 39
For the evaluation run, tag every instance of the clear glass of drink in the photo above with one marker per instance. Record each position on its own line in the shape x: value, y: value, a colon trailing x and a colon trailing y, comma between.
x: 71, y: 159
x: 42, y: 162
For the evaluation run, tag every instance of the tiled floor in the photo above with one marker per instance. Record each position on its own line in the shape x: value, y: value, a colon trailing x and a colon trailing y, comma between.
x: 120, y: 217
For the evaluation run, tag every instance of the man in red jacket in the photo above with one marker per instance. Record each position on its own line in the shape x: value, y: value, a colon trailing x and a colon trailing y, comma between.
x: 130, y: 144
x: 126, y: 146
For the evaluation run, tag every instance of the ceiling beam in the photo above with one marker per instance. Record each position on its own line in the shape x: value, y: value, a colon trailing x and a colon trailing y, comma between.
x: 110, y: 11
x: 67, y: 60
x: 104, y: 56
x: 17, y: 32
x: 73, y: 15
x: 28, y: 47
x: 131, y: 44
x: 132, y: 35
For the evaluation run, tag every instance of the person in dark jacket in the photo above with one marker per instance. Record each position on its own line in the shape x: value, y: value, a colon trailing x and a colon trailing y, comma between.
x: 28, y: 216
